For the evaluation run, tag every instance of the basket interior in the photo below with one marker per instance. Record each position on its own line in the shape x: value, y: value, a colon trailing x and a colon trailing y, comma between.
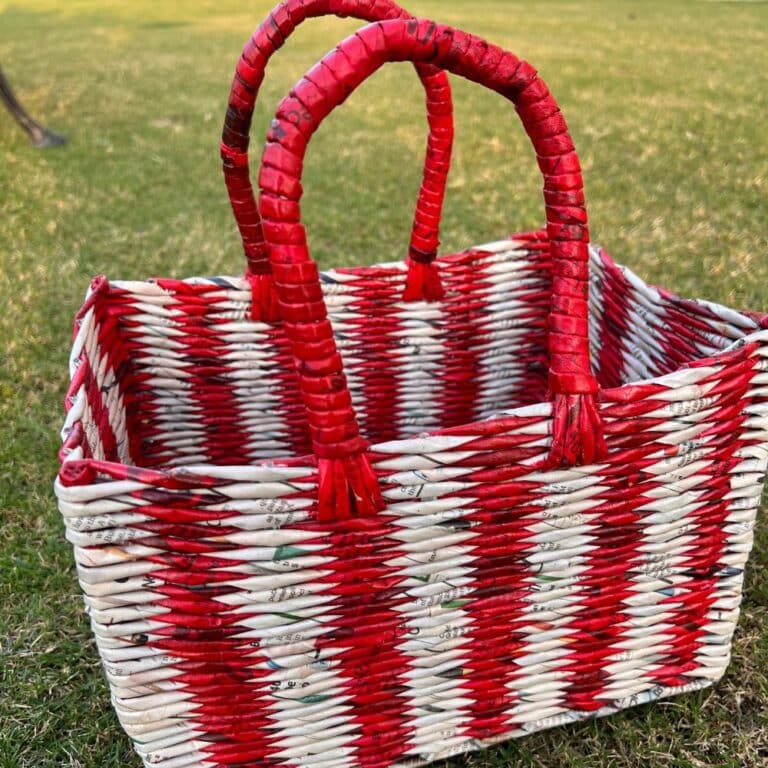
x: 177, y: 373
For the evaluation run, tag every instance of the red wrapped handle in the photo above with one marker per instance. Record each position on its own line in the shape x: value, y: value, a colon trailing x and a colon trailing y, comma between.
x: 423, y: 281
x: 577, y: 430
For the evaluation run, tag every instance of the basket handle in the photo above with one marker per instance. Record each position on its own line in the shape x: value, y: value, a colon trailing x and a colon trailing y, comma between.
x: 347, y: 484
x: 423, y: 280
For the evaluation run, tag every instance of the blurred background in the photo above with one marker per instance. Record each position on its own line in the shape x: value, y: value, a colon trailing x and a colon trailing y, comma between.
x: 667, y: 105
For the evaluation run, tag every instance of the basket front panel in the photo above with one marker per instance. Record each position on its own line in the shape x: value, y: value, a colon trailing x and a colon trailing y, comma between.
x: 494, y: 597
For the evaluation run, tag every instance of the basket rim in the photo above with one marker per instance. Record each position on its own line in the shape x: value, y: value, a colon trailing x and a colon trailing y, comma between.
x: 82, y: 471
x: 522, y: 241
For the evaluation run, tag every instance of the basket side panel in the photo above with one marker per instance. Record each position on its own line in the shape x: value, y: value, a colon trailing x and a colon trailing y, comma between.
x: 98, y: 399
x: 638, y: 331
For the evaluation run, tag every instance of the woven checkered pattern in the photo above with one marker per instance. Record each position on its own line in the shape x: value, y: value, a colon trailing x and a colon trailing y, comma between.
x: 374, y: 532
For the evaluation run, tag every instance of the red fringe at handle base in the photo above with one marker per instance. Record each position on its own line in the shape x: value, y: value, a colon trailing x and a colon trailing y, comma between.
x: 423, y: 282
x: 577, y: 436
x: 347, y: 487
x: 264, y: 306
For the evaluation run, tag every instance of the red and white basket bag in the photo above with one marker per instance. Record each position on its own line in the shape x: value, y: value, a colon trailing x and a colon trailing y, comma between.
x: 547, y: 520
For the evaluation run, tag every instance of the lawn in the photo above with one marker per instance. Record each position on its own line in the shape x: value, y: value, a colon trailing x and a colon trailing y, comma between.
x: 667, y: 104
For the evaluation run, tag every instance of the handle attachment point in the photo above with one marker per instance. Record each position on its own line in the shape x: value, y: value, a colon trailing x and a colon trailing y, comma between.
x: 264, y: 300
x: 423, y: 282
x: 577, y: 433
x: 347, y: 487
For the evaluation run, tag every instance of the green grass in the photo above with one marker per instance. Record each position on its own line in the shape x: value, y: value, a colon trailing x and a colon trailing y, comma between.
x: 667, y: 104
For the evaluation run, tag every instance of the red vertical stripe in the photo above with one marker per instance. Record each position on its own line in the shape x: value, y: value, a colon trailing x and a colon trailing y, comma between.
x: 368, y: 630
x: 222, y: 672
x: 374, y: 330
x: 465, y: 308
x: 616, y: 531
x: 497, y: 607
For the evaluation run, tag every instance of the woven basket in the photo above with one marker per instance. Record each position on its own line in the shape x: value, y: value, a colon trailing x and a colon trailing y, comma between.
x: 548, y: 519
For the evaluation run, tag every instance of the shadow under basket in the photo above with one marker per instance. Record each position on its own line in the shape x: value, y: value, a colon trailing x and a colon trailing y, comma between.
x: 494, y: 596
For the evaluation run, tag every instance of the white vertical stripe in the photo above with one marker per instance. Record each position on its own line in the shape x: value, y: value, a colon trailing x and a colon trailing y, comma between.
x: 505, y: 344
x: 166, y: 739
x: 437, y: 630
x: 421, y: 358
x: 109, y: 390
x: 253, y: 373
x: 558, y: 556
x: 313, y: 719
x: 747, y: 485
x: 175, y: 412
